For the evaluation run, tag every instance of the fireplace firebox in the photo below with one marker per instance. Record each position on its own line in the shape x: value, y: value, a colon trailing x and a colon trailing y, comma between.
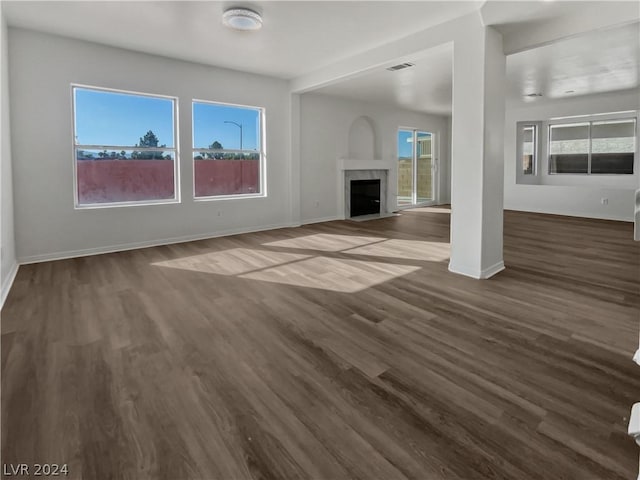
x: 365, y: 197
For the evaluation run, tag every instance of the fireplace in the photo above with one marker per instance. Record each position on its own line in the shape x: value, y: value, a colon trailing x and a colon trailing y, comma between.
x: 365, y: 197
x: 351, y: 176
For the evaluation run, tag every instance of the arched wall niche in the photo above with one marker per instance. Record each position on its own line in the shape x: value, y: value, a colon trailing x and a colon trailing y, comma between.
x: 363, y: 141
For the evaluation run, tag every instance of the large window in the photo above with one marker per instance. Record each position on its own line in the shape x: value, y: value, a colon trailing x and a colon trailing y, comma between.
x: 124, y: 148
x: 228, y: 150
x: 596, y: 147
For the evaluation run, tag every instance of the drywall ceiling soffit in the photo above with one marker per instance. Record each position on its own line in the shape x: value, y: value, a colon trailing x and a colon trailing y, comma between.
x: 297, y: 36
x: 598, y: 62
x: 530, y: 24
x: 425, y: 87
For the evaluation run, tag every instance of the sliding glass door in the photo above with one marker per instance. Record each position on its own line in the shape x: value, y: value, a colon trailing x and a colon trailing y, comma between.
x: 416, y: 172
x: 405, y: 168
x: 424, y: 167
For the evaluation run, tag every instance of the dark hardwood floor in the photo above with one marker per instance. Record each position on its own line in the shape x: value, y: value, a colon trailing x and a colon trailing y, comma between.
x: 340, y: 350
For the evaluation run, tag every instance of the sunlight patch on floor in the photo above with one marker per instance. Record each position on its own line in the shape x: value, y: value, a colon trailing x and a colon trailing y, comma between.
x: 325, y: 242
x: 334, y: 274
x: 405, y: 249
x: 327, y: 273
x: 232, y: 262
x: 428, y: 210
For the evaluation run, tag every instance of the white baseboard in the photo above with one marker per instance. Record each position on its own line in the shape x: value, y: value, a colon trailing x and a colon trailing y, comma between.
x: 8, y: 282
x: 594, y: 216
x: 492, y: 270
x: 47, y: 257
x: 320, y: 220
x: 460, y: 271
x: 478, y: 274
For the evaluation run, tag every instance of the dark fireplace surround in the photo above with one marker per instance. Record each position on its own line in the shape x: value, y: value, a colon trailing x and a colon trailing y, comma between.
x: 365, y: 197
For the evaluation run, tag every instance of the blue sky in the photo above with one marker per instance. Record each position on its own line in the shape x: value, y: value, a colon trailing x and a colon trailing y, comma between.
x: 405, y: 143
x: 109, y: 118
x: 106, y: 118
x: 209, y: 126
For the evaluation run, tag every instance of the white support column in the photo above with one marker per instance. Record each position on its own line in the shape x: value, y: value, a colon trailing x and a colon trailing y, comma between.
x: 477, y: 156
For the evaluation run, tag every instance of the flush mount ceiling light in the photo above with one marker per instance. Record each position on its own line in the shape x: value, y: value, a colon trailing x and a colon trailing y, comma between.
x: 242, y: 19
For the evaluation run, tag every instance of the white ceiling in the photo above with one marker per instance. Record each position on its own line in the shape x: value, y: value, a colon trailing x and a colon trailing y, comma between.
x: 297, y: 37
x: 509, y: 16
x: 525, y: 24
x: 596, y: 62
x: 426, y: 87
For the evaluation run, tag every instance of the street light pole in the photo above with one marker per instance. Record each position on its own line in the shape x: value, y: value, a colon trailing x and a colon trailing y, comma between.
x: 237, y: 125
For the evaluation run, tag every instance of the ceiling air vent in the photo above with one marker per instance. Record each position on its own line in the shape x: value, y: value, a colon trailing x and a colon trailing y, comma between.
x: 401, y: 66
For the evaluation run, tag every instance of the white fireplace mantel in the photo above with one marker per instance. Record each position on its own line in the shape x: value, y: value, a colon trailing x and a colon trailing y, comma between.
x: 349, y: 169
x: 355, y: 164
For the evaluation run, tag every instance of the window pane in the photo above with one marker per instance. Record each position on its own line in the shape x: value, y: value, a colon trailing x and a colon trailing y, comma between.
x: 613, y: 146
x: 219, y: 129
x: 110, y: 118
x: 528, y: 149
x: 405, y: 167
x: 424, y: 181
x: 125, y: 176
x: 217, y: 173
x: 569, y: 148
x: 227, y: 127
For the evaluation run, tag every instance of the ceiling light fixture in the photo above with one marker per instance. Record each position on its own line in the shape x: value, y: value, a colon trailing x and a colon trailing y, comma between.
x: 242, y: 19
x: 537, y: 94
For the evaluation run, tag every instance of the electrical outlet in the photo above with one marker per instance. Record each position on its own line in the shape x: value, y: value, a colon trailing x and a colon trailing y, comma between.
x: 604, y: 201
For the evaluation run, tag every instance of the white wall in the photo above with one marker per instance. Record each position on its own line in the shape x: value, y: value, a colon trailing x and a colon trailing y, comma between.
x: 324, y: 126
x: 42, y: 67
x: 575, y: 195
x: 7, y: 246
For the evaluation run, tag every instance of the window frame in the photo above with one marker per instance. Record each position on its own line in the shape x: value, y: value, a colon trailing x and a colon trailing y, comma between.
x: 590, y: 120
x: 262, y: 153
x: 435, y: 166
x: 520, y: 128
x: 75, y: 146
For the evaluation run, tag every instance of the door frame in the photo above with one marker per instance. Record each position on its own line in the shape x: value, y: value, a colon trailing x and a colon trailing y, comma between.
x: 435, y: 170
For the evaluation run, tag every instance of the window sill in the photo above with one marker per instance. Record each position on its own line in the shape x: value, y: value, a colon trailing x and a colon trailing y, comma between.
x: 95, y: 206
x: 230, y: 197
x: 592, y: 174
